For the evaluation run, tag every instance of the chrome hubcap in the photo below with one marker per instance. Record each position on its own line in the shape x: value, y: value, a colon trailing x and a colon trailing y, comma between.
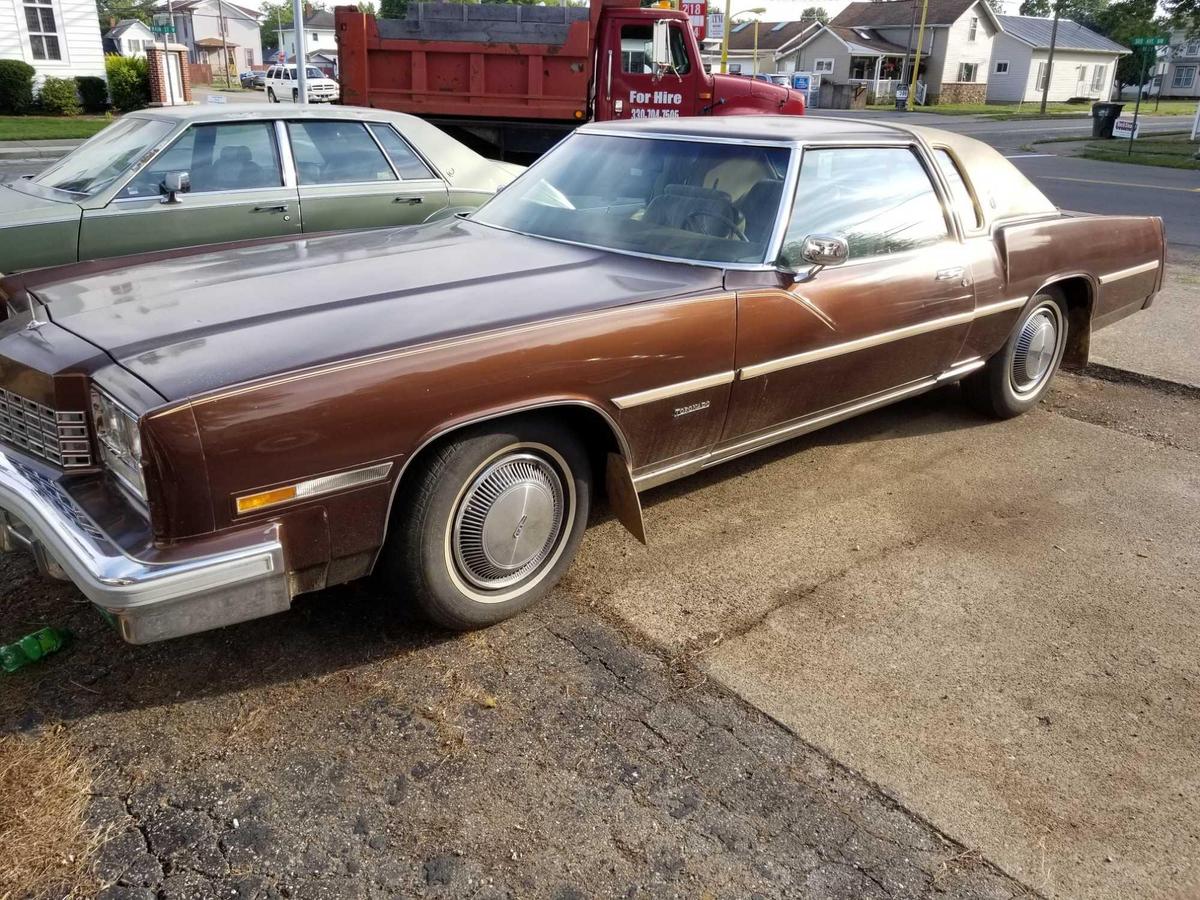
x: 509, y: 521
x: 1037, y: 347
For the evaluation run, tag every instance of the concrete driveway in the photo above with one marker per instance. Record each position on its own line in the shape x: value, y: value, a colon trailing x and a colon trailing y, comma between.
x: 995, y: 622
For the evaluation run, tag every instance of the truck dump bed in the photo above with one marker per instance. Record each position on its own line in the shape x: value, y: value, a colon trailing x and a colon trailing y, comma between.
x: 489, y: 61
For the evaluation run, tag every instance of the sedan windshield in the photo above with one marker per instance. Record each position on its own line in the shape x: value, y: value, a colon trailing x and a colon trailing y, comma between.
x: 688, y: 200
x: 106, y: 157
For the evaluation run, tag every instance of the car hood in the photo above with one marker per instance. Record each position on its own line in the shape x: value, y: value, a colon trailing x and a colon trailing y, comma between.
x: 186, y: 324
x: 18, y: 208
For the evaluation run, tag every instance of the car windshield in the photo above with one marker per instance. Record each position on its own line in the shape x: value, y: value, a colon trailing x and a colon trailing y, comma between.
x: 693, y: 201
x: 106, y: 157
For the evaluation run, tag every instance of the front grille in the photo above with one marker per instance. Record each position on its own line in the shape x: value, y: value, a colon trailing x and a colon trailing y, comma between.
x: 57, y: 437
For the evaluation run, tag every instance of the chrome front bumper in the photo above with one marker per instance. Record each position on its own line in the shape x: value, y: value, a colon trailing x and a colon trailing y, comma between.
x: 229, y: 579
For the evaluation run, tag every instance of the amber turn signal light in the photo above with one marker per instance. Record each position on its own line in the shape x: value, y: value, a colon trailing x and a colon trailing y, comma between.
x: 251, y: 502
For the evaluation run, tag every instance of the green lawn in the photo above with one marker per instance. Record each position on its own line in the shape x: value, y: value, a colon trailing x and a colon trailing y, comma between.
x: 1033, y: 110
x: 1173, y: 153
x: 47, y: 128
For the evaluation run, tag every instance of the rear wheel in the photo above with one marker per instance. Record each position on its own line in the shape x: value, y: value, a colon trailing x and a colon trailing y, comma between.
x: 295, y: 95
x: 1015, y: 379
x: 489, y: 521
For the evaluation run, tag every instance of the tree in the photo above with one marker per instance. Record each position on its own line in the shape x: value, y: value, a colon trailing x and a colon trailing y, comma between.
x: 1039, y: 8
x: 1122, y: 21
x: 1183, y: 15
x: 393, y: 9
x: 814, y: 12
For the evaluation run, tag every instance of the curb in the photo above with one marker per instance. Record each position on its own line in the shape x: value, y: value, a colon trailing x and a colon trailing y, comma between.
x: 19, y: 153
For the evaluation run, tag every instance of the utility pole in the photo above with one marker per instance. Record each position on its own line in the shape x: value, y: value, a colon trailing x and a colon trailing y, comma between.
x: 756, y: 48
x: 224, y: 40
x: 301, y: 56
x: 725, y: 40
x: 912, y: 89
x: 1050, y: 57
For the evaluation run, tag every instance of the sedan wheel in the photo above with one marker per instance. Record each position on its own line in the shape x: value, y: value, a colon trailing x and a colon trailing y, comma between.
x: 487, y: 523
x: 1015, y: 379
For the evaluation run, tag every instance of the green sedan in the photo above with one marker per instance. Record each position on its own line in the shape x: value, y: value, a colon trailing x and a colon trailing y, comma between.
x: 184, y: 176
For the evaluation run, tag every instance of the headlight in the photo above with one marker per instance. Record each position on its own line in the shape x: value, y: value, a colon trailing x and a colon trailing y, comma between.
x: 120, y: 441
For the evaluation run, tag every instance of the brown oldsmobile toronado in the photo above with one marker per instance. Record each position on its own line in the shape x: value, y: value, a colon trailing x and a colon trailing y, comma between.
x: 196, y: 437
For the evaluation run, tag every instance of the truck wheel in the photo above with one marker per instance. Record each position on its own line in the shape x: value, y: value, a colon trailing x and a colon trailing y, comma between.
x: 489, y: 521
x: 1015, y: 379
x: 271, y: 98
x: 295, y: 95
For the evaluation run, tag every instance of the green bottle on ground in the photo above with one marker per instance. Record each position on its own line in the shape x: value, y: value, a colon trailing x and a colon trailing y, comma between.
x: 31, y: 648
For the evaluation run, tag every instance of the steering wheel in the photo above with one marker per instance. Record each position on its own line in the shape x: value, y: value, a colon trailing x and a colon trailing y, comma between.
x: 731, y: 227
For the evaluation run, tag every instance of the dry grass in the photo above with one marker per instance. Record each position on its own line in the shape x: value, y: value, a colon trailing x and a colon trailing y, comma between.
x: 46, y: 846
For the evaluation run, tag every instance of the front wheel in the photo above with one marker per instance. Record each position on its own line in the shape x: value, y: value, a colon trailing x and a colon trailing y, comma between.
x: 489, y: 521
x: 271, y: 98
x: 1015, y: 379
x: 295, y: 95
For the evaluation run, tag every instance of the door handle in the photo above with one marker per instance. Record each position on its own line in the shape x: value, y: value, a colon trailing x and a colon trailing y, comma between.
x: 272, y: 207
x: 411, y: 201
x: 952, y: 274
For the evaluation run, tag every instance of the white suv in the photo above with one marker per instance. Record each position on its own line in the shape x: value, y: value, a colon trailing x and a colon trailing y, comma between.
x: 281, y: 85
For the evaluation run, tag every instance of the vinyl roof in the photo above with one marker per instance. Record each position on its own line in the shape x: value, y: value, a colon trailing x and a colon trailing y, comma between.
x: 784, y: 129
x: 1035, y: 31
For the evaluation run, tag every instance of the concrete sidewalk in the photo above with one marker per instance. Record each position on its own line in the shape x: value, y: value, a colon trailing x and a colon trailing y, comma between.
x: 13, y: 150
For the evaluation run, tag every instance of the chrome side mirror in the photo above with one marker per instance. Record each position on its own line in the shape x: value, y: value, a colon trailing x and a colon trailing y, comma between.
x: 816, y: 251
x: 174, y: 183
x: 660, y: 47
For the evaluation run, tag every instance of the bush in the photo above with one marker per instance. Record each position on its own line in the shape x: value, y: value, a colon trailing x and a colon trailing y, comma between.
x: 128, y: 81
x: 94, y: 92
x: 16, y: 86
x: 59, y: 97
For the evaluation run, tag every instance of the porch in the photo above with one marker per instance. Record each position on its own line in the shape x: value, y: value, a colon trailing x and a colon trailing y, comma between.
x: 882, y: 73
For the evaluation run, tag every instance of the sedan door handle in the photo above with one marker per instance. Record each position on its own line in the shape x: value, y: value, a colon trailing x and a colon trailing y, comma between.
x: 411, y: 201
x: 272, y: 207
x: 951, y: 274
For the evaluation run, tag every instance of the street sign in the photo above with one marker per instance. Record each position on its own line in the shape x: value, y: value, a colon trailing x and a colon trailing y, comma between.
x: 716, y: 26
x: 1125, y: 128
x: 216, y: 98
x: 697, y: 13
x: 1149, y: 41
x: 162, y: 29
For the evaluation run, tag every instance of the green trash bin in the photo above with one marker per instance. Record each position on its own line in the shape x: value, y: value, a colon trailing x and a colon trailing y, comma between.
x: 1104, y: 116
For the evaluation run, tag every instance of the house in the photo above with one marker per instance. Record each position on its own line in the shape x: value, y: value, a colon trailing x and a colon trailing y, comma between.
x: 128, y: 37
x: 59, y: 38
x: 867, y: 42
x: 217, y: 33
x: 1178, y: 70
x: 1085, y: 63
x: 318, y: 36
x: 771, y: 38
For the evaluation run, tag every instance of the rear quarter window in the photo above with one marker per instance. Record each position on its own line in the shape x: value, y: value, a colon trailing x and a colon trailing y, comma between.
x: 967, y: 207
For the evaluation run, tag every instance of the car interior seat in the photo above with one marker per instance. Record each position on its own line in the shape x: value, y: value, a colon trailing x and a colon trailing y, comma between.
x: 690, y: 208
x: 236, y: 169
x: 759, y: 207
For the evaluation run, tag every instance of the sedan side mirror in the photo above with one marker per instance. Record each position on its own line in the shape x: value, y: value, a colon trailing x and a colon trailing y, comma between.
x: 816, y: 251
x: 174, y: 183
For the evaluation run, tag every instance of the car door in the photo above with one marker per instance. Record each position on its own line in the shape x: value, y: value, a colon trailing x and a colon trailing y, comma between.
x: 633, y: 90
x: 238, y: 190
x: 347, y: 180
x: 894, y: 314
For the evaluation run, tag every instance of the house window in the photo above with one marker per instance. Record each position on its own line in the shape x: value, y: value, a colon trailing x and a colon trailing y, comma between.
x: 973, y: 29
x: 1192, y: 49
x: 1098, y: 78
x: 967, y: 71
x: 1185, y: 77
x: 1041, y: 76
x: 823, y: 65
x: 43, y: 33
x: 315, y: 37
x: 1002, y: 67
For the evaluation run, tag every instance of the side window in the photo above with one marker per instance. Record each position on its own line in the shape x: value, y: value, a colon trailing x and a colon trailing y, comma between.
x: 337, y: 152
x: 637, y: 50
x: 286, y: 74
x: 406, y: 161
x: 233, y: 157
x: 880, y: 199
x: 968, y: 211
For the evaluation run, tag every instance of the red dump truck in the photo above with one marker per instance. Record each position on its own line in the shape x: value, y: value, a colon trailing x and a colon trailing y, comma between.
x: 512, y: 79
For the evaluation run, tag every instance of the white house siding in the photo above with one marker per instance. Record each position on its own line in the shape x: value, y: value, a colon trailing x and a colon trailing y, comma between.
x: 1010, y: 87
x: 78, y: 28
x: 239, y: 31
x: 1182, y: 53
x: 1064, y: 77
x: 959, y: 48
x: 324, y: 41
x: 134, y: 40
